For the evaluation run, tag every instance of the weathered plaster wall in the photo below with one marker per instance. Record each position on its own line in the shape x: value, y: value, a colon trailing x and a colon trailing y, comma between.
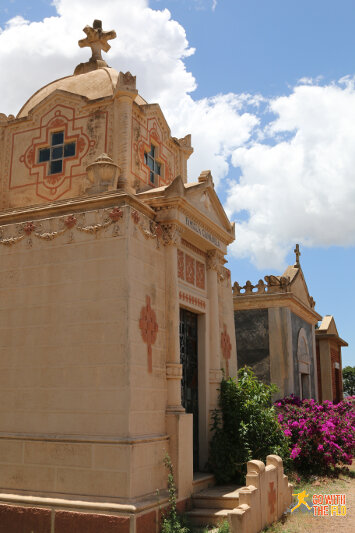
x: 298, y: 323
x: 252, y: 339
x: 281, y: 358
x: 79, y: 413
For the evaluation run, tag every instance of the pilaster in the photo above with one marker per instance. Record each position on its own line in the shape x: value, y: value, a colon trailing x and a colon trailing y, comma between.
x: 124, y: 96
x: 171, y: 238
x: 215, y: 374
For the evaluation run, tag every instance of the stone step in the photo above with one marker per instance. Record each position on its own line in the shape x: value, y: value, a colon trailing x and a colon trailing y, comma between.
x: 202, y: 481
x: 222, y: 497
x: 207, y: 517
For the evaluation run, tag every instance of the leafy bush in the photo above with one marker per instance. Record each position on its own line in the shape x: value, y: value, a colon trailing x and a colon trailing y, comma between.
x: 349, y: 380
x: 322, y: 435
x: 244, y: 428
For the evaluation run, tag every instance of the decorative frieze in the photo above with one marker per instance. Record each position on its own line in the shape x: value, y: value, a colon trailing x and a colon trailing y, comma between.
x: 11, y: 235
x: 191, y: 270
x: 192, y: 300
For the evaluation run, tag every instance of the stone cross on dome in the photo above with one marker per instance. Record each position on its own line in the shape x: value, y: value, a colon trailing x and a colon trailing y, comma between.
x: 298, y: 253
x: 96, y: 38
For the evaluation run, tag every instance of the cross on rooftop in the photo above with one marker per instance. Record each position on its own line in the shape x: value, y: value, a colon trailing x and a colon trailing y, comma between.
x: 97, y: 39
x: 298, y: 253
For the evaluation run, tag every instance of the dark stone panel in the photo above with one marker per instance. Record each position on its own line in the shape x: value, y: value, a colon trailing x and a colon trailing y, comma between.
x: 252, y: 337
x: 72, y: 522
x: 297, y: 323
x: 15, y: 519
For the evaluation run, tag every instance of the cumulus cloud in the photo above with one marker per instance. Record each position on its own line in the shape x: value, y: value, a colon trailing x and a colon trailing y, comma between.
x: 295, y: 171
x: 298, y: 185
x: 151, y: 45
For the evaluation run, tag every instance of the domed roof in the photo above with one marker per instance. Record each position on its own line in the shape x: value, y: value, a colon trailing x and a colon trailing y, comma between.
x: 99, y: 83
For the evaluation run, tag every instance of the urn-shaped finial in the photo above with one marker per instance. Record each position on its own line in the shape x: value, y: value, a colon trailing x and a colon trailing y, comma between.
x: 103, y: 174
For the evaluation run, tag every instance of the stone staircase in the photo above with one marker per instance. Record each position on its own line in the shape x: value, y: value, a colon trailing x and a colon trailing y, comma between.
x: 213, y: 505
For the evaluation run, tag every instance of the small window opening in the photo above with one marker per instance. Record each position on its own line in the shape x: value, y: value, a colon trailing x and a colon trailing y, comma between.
x: 56, y: 152
x: 152, y: 163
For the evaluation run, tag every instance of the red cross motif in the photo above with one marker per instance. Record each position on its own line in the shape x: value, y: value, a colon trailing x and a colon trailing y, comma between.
x: 272, y: 498
x: 226, y: 347
x: 149, y: 329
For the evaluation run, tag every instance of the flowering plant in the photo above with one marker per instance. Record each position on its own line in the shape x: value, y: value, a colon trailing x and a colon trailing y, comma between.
x: 322, y: 436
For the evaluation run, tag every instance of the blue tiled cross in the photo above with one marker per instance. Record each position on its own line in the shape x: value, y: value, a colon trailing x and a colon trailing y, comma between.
x: 56, y: 152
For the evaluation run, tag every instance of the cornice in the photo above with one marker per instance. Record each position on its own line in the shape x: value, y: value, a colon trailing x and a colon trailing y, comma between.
x: 74, y: 205
x: 184, y: 206
x: 288, y: 299
x: 330, y: 337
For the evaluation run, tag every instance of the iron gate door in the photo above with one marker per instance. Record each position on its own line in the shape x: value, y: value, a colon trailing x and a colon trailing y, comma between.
x: 189, y: 383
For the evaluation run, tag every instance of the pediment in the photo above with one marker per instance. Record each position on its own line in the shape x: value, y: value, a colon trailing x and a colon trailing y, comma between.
x: 299, y: 286
x: 203, y: 197
x: 328, y: 326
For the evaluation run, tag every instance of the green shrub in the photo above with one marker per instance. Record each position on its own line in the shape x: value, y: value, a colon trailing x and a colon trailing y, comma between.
x: 245, y: 427
x: 172, y: 522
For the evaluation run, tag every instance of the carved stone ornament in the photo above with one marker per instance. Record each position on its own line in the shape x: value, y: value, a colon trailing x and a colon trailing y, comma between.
x: 149, y: 329
x: 213, y: 260
x: 65, y: 225
x: 96, y: 38
x: 171, y: 234
x: 226, y: 347
x: 103, y: 175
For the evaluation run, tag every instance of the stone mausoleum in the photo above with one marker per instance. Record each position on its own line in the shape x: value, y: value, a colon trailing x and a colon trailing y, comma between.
x: 116, y: 305
x: 275, y: 325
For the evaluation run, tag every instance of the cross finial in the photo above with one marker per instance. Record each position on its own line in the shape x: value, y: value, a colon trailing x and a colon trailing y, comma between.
x: 298, y: 253
x: 97, y: 39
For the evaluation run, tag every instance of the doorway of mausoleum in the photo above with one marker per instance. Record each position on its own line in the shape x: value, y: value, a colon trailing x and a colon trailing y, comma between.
x: 189, y: 382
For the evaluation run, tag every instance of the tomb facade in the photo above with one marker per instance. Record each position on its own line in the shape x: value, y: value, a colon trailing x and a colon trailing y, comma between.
x: 116, y: 305
x: 275, y: 331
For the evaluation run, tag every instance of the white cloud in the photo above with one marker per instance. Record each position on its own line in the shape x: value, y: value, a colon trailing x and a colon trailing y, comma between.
x: 151, y: 45
x: 300, y: 188
x: 297, y: 170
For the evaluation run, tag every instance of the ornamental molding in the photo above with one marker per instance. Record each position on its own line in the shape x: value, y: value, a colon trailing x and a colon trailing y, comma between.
x: 148, y: 228
x: 214, y: 261
x: 47, y: 230
x: 171, y: 234
x: 215, y: 376
x: 174, y: 371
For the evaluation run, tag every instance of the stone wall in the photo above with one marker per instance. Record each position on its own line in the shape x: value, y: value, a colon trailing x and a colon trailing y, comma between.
x: 252, y: 338
x: 297, y: 324
x: 265, y: 497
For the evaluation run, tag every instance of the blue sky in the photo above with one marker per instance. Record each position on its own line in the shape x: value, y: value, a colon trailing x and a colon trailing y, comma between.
x: 264, y: 96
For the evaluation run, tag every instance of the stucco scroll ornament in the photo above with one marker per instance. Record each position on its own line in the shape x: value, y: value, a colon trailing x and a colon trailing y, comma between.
x: 171, y: 234
x: 226, y: 347
x: 96, y: 38
x: 149, y: 329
